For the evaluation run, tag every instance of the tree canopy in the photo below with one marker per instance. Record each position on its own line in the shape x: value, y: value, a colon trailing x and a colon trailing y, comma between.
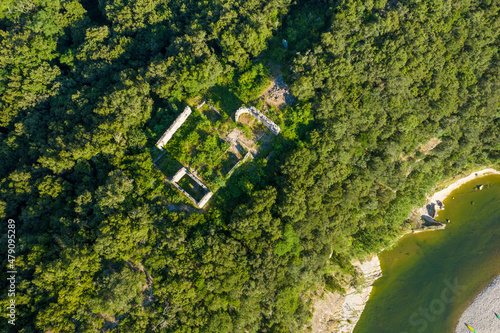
x: 83, y: 85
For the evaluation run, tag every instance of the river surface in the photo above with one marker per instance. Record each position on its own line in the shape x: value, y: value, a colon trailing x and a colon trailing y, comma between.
x: 430, y: 278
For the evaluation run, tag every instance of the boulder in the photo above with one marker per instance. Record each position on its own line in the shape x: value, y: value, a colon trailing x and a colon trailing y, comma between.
x: 430, y: 221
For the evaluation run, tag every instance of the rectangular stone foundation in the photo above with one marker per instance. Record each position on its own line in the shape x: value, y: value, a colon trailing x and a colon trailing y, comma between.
x: 178, y: 176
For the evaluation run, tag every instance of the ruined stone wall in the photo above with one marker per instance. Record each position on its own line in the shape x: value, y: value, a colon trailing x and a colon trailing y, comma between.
x: 239, y: 163
x: 178, y: 176
x: 260, y: 117
x: 184, y: 192
x: 197, y: 180
x: 174, y: 127
x: 204, y: 200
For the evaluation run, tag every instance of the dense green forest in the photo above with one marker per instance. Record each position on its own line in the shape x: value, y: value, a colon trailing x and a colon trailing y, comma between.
x: 85, y: 84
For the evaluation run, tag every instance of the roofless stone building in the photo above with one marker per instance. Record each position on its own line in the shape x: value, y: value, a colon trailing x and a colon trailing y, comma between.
x: 181, y: 173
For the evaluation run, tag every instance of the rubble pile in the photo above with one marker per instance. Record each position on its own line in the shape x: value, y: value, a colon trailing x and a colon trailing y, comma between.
x: 280, y: 91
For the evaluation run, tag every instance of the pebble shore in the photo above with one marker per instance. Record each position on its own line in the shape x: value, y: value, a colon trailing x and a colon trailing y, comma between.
x: 480, y: 315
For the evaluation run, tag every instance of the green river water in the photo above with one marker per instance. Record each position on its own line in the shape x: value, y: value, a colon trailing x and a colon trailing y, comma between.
x: 430, y: 278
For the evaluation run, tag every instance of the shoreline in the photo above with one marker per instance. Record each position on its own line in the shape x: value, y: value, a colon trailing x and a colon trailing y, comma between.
x: 480, y: 314
x: 441, y: 196
x: 345, y: 311
x: 488, y: 293
x: 340, y: 314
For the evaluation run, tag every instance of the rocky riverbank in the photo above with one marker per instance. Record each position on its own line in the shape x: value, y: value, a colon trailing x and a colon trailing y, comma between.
x: 339, y: 314
x: 335, y: 313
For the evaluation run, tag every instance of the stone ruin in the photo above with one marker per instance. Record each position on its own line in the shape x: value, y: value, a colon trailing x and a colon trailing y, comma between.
x: 275, y: 129
x: 199, y: 106
x: 173, y: 128
x: 204, y: 102
x: 279, y: 91
x: 247, y: 155
x: 178, y: 176
x: 183, y: 171
x: 260, y: 117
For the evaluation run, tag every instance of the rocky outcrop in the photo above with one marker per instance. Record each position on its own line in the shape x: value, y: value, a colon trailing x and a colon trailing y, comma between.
x: 431, y: 222
x: 432, y: 210
x: 340, y: 314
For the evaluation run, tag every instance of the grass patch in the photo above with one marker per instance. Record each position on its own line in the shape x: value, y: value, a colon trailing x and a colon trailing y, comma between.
x: 213, y: 116
x: 190, y: 186
x: 168, y: 165
x: 189, y: 136
x: 209, y: 152
x: 228, y: 162
x: 224, y: 100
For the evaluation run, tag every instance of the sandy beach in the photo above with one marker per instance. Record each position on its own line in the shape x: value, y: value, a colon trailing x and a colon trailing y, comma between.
x: 443, y: 194
x: 480, y: 314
